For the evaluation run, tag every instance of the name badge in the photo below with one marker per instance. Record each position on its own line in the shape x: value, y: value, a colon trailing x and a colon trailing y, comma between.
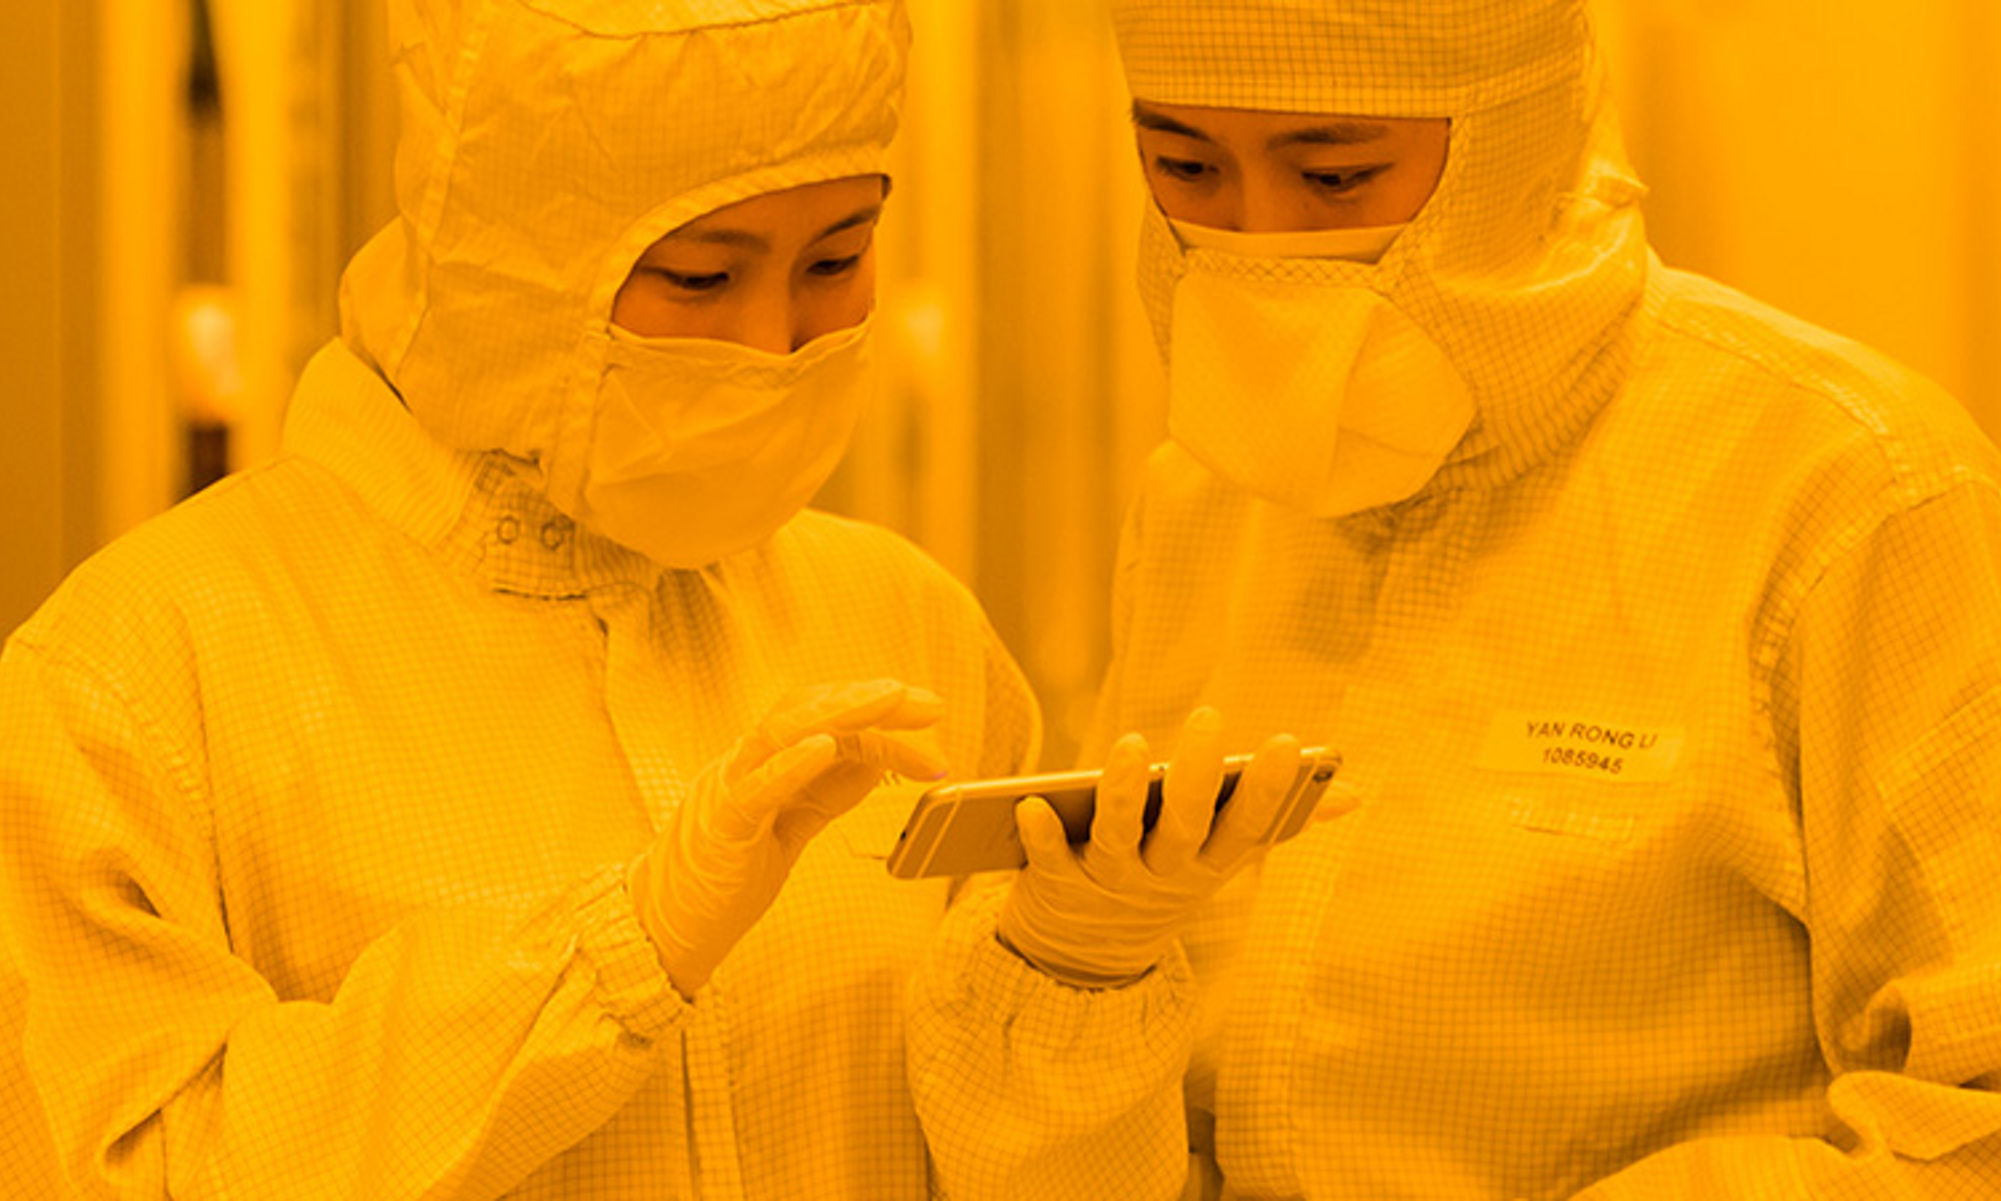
x: 1552, y: 745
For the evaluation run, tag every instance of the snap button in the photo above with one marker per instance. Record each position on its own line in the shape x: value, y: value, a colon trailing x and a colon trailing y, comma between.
x: 554, y: 531
x: 507, y: 529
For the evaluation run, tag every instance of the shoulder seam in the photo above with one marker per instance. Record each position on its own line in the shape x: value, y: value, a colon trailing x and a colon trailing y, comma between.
x: 1901, y: 471
x: 1766, y: 651
x: 179, y: 768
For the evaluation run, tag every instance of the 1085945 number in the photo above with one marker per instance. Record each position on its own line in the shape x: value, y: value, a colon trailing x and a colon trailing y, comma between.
x: 1588, y: 760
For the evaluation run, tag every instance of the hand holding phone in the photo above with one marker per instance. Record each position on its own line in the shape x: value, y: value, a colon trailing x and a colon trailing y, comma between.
x: 1102, y: 916
x: 968, y: 827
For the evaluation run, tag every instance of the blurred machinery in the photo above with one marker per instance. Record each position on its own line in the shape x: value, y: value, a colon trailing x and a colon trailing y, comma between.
x: 204, y: 351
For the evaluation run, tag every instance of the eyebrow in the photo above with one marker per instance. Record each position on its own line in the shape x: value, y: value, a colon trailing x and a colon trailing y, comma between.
x: 1147, y: 118
x: 747, y: 240
x: 1333, y: 133
x: 1339, y: 133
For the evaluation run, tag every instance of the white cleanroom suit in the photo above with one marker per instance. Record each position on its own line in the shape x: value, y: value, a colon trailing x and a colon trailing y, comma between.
x: 318, y: 793
x: 1672, y: 702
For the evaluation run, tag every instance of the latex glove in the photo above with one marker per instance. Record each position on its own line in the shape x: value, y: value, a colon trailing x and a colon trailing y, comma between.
x: 723, y: 857
x: 1103, y: 916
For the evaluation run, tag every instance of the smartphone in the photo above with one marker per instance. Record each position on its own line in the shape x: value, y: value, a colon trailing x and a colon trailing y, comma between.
x: 959, y: 829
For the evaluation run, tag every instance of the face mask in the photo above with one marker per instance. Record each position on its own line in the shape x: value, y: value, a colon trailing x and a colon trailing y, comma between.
x: 1364, y: 245
x: 704, y: 448
x: 1300, y: 385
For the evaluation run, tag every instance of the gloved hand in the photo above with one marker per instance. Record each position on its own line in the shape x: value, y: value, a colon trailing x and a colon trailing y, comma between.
x: 721, y: 860
x: 1104, y: 916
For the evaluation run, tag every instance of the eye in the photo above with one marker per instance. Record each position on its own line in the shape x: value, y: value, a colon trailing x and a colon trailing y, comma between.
x: 1345, y: 180
x: 835, y: 267
x: 695, y: 283
x: 1186, y: 170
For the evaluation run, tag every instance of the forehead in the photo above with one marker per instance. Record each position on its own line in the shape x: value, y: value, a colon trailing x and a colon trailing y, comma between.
x: 1239, y: 128
x: 823, y: 202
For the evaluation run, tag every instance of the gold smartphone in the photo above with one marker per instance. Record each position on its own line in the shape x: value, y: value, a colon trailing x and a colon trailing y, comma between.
x: 959, y: 829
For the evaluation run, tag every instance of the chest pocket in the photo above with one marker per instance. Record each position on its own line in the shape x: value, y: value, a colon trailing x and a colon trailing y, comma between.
x: 1561, y: 815
x: 1700, y: 821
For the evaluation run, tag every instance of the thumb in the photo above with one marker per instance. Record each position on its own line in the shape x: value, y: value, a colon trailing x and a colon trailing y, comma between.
x: 1043, y: 838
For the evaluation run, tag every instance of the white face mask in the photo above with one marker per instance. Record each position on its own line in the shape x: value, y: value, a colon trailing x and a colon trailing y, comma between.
x: 704, y: 448
x: 1363, y: 245
x: 1290, y: 379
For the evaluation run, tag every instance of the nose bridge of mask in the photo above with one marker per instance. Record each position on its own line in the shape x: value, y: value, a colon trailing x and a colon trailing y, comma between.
x: 694, y: 404
x: 1364, y: 244
x: 723, y: 358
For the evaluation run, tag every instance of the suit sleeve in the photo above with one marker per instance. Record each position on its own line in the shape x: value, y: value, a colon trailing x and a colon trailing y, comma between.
x: 464, y: 1047
x: 1028, y: 1089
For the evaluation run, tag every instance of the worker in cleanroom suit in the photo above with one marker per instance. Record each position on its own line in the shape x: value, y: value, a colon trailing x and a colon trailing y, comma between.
x: 408, y: 817
x: 1661, y: 633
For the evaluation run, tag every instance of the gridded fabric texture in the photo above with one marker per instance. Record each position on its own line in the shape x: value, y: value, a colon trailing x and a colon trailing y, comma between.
x: 1530, y: 254
x: 316, y: 797
x: 29, y: 1157
x: 546, y: 143
x: 1024, y: 1083
x: 1679, y: 758
x: 1390, y: 58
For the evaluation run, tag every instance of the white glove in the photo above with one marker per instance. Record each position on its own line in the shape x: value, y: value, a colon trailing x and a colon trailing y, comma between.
x: 1104, y: 916
x: 719, y: 864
